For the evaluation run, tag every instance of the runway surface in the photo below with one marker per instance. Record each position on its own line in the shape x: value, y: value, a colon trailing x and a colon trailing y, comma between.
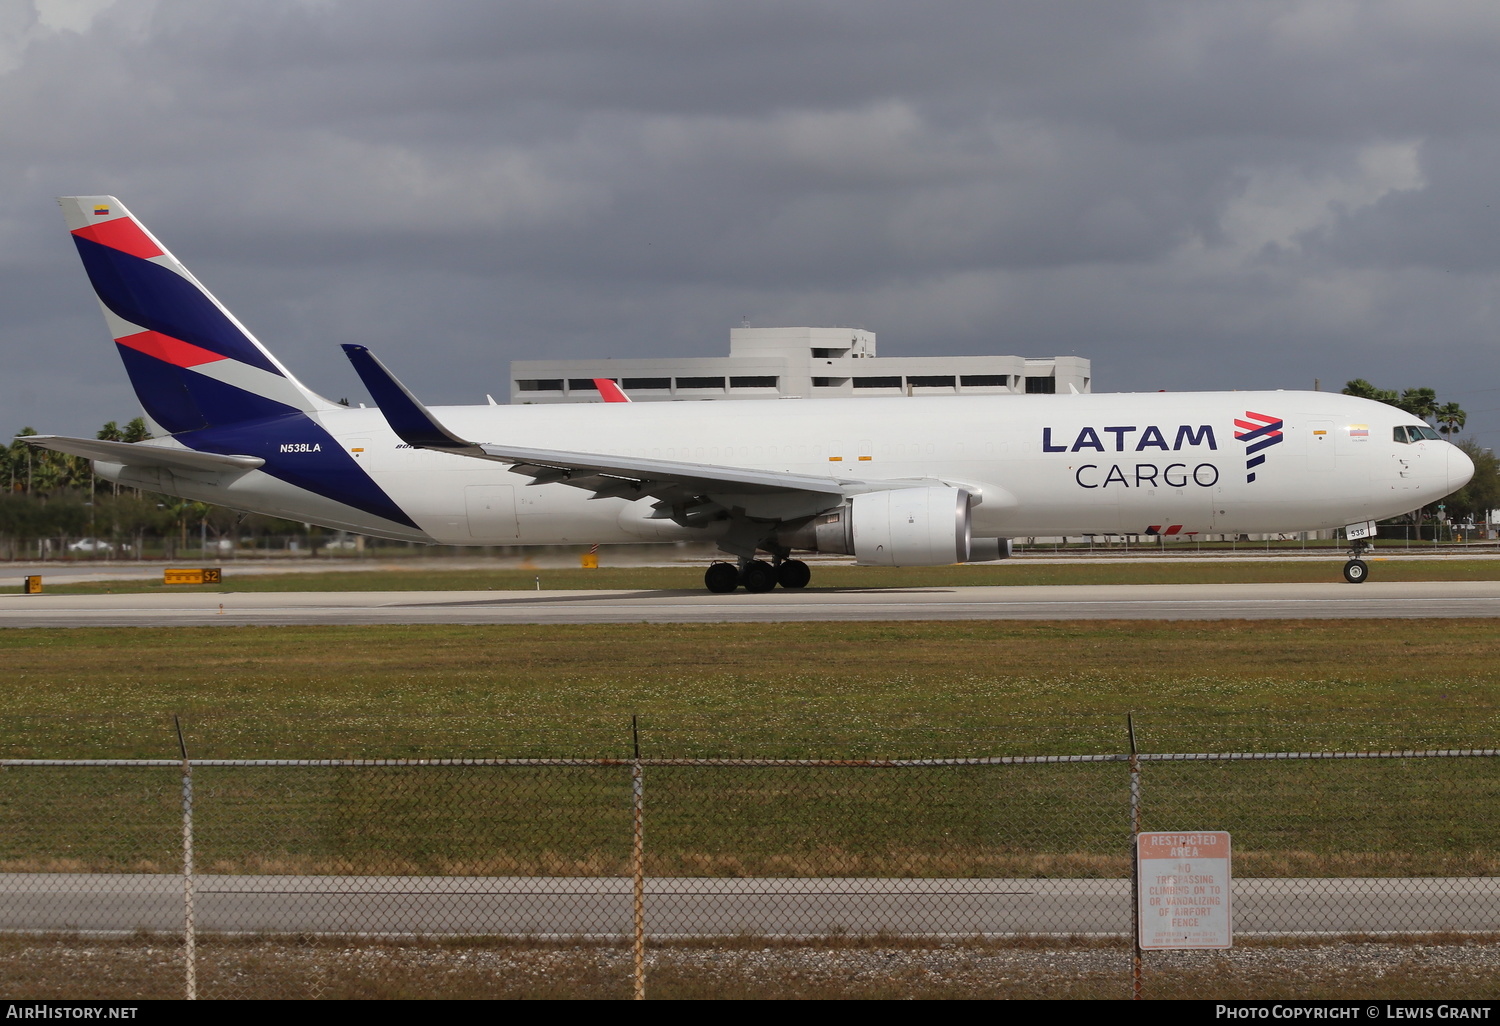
x: 1072, y: 602
x: 686, y: 907
x: 693, y: 558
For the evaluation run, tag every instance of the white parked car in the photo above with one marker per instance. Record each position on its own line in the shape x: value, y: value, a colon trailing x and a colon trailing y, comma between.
x: 91, y: 545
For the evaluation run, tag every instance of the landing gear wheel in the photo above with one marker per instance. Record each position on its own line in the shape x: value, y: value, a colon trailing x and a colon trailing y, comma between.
x: 793, y: 573
x: 721, y: 578
x: 758, y: 575
x: 1355, y: 571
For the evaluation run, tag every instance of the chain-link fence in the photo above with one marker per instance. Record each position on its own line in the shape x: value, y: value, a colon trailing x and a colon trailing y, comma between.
x: 697, y: 877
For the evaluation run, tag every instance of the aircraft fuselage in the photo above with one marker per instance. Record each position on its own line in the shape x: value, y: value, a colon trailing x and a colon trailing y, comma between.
x: 1167, y: 463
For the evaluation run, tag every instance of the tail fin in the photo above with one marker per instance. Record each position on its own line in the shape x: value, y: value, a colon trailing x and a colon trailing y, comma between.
x: 611, y: 391
x: 193, y: 365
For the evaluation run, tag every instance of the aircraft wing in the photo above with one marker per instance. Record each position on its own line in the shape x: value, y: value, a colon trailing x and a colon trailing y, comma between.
x: 679, y: 487
x: 547, y: 465
x: 140, y: 454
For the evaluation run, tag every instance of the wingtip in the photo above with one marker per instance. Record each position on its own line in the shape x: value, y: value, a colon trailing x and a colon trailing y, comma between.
x: 402, y: 410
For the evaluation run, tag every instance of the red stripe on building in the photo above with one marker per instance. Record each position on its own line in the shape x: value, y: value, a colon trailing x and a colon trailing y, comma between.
x: 123, y: 234
x: 168, y: 349
x: 1174, y: 528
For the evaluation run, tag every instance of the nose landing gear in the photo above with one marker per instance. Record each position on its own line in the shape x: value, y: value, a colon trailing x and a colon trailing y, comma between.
x: 1356, y: 570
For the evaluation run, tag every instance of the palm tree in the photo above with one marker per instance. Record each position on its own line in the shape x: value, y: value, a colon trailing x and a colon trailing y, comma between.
x: 12, y: 466
x: 1420, y: 402
x: 22, y: 457
x: 1365, y: 390
x: 1451, y: 418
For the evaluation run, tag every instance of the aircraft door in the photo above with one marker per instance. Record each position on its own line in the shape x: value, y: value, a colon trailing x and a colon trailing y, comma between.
x: 1320, y: 445
x: 492, y: 513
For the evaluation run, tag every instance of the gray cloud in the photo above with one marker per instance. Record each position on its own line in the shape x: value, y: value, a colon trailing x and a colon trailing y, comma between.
x: 1232, y: 195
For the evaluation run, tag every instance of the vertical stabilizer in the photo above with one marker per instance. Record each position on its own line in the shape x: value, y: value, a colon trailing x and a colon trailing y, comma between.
x: 193, y: 365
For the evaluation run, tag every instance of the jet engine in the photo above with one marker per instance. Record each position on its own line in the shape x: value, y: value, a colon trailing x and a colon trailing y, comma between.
x: 899, y: 527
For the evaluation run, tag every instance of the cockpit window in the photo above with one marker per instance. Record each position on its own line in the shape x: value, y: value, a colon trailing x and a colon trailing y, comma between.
x: 1399, y: 434
x: 1407, y: 433
x: 1426, y: 432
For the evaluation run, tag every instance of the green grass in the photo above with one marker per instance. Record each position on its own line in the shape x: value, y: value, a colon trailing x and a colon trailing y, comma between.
x: 1020, y: 572
x: 789, y: 690
x: 797, y: 689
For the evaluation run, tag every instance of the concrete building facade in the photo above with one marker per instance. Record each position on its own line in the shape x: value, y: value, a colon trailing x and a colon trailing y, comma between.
x: 810, y: 363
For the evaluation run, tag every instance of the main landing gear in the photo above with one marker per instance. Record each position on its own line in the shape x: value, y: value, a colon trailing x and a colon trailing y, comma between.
x: 1356, y: 570
x: 756, y: 575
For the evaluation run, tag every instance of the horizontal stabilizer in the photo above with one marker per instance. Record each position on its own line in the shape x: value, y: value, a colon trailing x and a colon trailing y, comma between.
x: 140, y: 454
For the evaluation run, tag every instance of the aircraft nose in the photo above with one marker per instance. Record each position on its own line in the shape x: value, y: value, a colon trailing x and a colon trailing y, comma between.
x: 1460, y: 468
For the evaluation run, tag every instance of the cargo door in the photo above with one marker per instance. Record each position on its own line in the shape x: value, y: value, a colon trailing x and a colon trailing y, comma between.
x: 491, y: 512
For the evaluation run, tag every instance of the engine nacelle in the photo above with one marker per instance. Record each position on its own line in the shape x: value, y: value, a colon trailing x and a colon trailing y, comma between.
x: 898, y: 527
x: 987, y: 550
x: 911, y: 527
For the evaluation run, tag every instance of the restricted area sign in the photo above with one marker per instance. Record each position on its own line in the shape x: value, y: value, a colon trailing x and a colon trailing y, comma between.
x: 1184, y: 893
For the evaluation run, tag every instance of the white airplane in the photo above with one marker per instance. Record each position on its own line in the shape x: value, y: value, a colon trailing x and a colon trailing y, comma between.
x: 896, y: 482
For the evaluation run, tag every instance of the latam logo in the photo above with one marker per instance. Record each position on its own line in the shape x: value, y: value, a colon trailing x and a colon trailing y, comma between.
x: 1132, y: 439
x: 1258, y: 431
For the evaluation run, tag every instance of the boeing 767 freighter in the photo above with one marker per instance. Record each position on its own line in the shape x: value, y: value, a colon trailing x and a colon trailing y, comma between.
x: 895, y: 482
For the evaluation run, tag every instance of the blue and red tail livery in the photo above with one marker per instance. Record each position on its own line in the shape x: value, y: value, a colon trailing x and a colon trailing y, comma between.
x: 185, y: 353
x: 201, y: 377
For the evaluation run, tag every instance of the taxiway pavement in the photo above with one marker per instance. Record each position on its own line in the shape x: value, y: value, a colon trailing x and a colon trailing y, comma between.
x: 687, y: 907
x: 1070, y: 602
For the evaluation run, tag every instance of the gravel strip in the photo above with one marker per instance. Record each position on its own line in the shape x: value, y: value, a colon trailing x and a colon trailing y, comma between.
x: 254, y: 969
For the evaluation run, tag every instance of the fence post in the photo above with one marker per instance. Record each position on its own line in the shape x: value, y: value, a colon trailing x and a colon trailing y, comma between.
x: 638, y: 861
x: 189, y: 932
x: 1135, y: 863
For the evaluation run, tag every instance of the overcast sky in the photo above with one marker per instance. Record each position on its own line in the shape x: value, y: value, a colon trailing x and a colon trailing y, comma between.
x: 1192, y: 195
